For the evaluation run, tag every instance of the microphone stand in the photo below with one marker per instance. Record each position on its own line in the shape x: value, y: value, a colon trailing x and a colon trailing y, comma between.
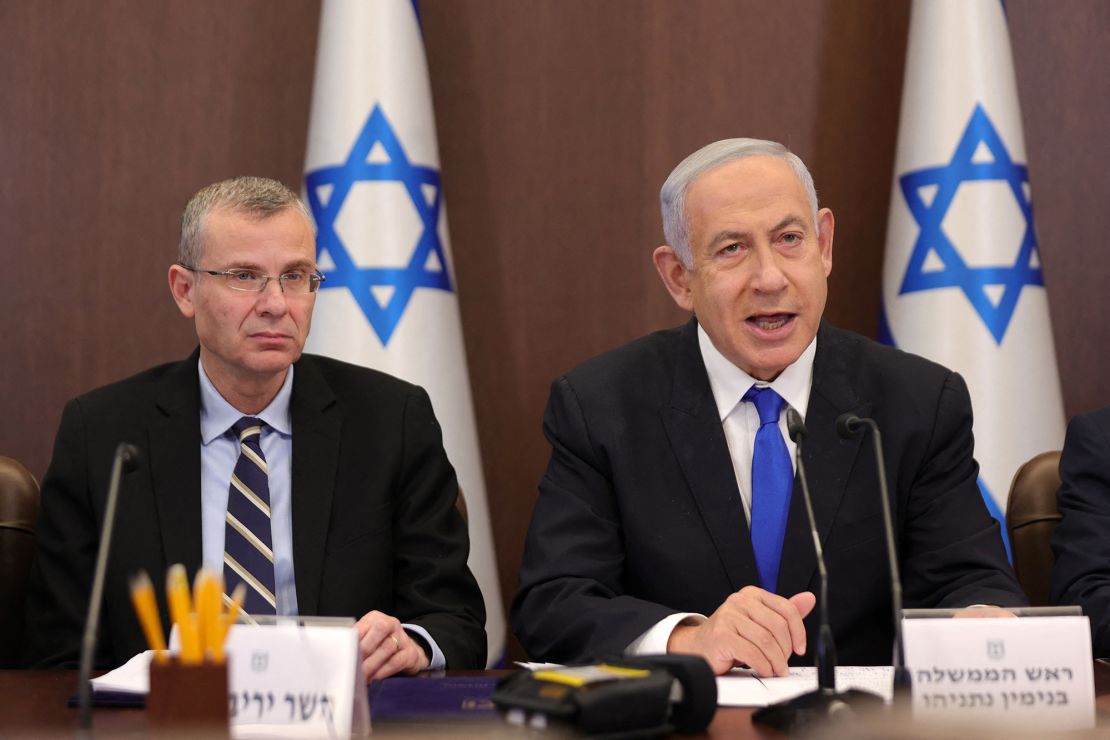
x: 124, y: 460
x: 795, y: 714
x: 847, y: 425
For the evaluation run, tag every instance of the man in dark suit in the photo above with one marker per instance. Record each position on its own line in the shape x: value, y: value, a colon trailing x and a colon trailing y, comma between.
x: 656, y: 530
x: 1081, y: 542
x: 357, y: 492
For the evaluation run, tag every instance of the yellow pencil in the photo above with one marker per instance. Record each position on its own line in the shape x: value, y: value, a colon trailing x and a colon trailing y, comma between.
x: 146, y: 609
x: 189, y: 630
x: 238, y: 596
x: 177, y: 594
x: 206, y: 596
x: 234, y: 606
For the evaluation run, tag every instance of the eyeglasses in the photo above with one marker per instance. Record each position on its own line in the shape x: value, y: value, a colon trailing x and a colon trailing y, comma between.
x: 253, y: 281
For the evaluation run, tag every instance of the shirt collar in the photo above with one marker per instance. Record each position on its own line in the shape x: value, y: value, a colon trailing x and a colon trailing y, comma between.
x: 729, y: 383
x: 217, y: 415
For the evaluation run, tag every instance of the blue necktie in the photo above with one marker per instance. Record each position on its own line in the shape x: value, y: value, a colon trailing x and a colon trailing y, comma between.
x: 248, y: 544
x: 772, y: 481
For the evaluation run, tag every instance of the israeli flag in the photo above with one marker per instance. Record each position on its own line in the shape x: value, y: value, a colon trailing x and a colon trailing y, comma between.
x: 962, y: 280
x: 372, y: 182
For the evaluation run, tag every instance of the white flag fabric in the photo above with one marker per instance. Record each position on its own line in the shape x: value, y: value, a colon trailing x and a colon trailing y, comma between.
x: 962, y: 280
x: 372, y: 182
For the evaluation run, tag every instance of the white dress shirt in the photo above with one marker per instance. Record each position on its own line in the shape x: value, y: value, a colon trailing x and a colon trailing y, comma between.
x: 740, y: 422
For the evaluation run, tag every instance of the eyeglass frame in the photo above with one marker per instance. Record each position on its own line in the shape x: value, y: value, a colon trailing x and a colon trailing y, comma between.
x: 320, y: 278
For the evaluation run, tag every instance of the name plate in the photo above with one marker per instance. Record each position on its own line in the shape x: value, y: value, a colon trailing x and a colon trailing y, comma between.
x: 1032, y: 671
x: 301, y: 675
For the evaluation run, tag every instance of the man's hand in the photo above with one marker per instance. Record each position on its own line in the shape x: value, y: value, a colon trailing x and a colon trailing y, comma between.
x: 984, y: 611
x: 385, y: 648
x: 753, y: 627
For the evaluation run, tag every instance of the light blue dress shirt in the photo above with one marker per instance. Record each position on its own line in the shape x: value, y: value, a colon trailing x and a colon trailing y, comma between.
x: 219, y: 451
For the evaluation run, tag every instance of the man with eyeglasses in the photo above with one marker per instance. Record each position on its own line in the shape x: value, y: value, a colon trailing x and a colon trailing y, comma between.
x: 322, y: 487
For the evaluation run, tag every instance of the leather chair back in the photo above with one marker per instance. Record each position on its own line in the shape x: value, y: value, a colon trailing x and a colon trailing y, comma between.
x: 1031, y: 517
x: 19, y: 510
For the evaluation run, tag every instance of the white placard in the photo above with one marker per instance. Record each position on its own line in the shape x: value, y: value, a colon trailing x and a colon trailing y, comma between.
x: 293, y: 680
x: 1032, y: 671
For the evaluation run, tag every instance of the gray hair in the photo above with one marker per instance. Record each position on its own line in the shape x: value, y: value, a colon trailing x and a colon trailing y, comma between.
x: 259, y: 197
x: 672, y: 196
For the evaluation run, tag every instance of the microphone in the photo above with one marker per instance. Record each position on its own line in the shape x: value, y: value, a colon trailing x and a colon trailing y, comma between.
x: 847, y: 426
x: 124, y: 461
x: 825, y: 656
x: 825, y: 701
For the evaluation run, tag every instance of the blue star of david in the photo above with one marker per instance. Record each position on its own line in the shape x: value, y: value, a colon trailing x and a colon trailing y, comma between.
x: 973, y: 281
x: 328, y: 188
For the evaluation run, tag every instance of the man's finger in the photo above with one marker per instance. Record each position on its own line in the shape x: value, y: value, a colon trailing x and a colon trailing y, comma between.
x: 804, y: 603
x: 375, y: 649
x: 777, y: 615
x: 399, y: 662
x: 373, y: 662
x: 984, y: 612
x: 747, y: 653
x: 376, y: 625
x: 766, y: 640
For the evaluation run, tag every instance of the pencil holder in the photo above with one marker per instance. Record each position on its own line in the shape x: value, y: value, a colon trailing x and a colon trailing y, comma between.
x: 188, y: 697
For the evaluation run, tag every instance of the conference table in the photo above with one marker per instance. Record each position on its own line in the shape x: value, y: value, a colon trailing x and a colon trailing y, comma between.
x: 33, y: 705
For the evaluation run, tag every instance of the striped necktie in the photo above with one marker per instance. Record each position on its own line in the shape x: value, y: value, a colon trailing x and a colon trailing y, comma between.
x: 772, y: 481
x: 248, y: 544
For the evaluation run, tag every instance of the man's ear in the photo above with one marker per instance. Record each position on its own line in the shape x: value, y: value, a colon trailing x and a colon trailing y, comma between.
x: 182, y: 284
x: 675, y: 276
x: 826, y: 225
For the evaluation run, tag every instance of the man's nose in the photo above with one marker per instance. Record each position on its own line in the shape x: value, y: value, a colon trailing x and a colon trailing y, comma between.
x: 272, y: 298
x: 769, y: 274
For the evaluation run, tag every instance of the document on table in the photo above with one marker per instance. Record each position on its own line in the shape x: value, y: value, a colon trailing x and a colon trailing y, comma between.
x: 133, y: 677
x: 740, y: 688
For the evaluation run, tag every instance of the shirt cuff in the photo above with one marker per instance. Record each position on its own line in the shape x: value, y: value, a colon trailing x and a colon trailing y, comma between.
x: 436, y: 661
x: 654, y: 641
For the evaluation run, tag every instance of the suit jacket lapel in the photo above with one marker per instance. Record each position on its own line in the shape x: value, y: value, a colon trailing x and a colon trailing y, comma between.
x: 316, y: 432
x: 173, y: 444
x: 828, y: 459
x: 694, y: 430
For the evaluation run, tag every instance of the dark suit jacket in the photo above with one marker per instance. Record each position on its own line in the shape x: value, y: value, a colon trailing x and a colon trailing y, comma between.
x: 373, y: 499
x: 1081, y: 542
x: 639, y: 515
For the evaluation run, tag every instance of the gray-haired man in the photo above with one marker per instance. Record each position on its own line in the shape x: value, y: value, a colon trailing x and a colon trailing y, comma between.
x: 345, y: 502
x: 666, y: 520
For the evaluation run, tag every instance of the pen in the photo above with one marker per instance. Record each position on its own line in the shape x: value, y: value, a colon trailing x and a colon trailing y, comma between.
x: 146, y: 609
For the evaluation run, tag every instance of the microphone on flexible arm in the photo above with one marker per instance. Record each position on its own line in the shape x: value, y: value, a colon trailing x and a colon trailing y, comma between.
x: 125, y: 460
x: 847, y: 425
x: 825, y: 701
x: 825, y: 656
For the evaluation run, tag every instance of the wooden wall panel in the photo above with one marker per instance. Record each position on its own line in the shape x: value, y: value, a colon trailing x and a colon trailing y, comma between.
x: 558, y: 121
x: 113, y: 114
x: 1065, y: 104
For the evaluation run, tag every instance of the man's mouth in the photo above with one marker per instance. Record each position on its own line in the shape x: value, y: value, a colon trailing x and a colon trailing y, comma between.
x: 771, y: 322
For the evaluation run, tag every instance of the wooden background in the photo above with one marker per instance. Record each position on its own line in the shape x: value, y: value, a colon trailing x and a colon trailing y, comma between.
x: 558, y: 121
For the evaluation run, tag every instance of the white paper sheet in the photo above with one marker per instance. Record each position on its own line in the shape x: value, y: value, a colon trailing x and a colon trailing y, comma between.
x: 739, y: 688
x: 133, y: 677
